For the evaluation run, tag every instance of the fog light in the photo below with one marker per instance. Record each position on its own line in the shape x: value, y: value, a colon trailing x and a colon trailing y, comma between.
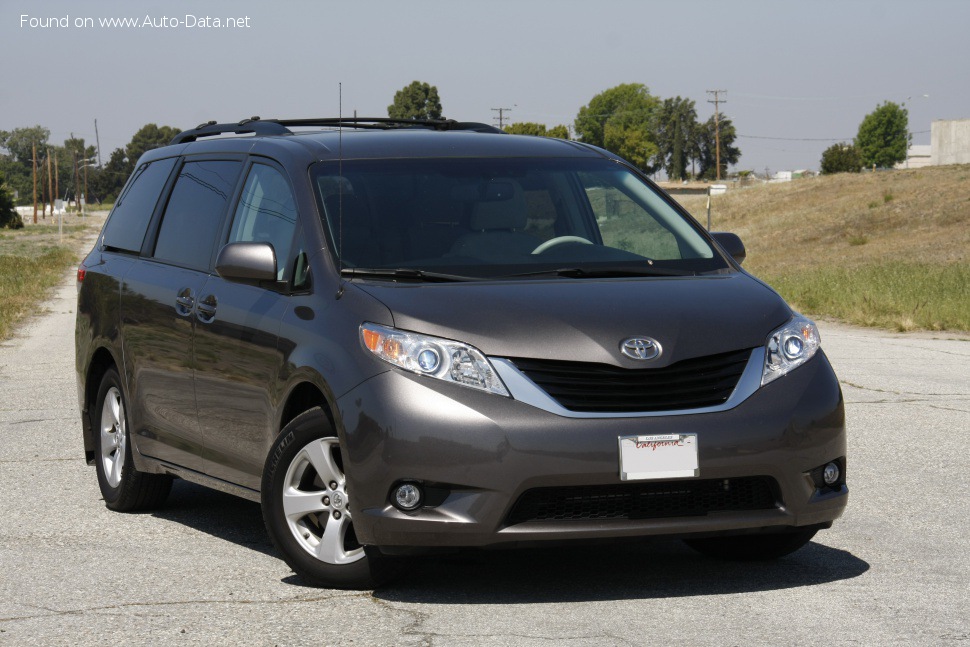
x: 831, y: 474
x: 407, y: 496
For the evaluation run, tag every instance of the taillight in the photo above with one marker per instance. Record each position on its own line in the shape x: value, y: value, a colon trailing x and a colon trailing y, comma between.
x: 80, y: 273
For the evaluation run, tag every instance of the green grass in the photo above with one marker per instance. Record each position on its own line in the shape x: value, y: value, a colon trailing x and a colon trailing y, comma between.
x: 887, y: 250
x: 32, y: 261
x: 894, y: 295
x: 24, y: 279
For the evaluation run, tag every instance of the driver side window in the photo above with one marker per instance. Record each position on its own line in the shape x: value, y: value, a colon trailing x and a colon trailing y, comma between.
x: 266, y: 213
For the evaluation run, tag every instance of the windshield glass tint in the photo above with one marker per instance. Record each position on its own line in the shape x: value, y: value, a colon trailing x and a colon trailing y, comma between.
x: 500, y: 217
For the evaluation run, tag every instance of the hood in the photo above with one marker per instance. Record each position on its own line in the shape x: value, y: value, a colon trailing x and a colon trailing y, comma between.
x: 586, y: 320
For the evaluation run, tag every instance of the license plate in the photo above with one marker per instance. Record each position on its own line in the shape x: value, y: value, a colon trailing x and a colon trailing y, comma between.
x: 658, y: 457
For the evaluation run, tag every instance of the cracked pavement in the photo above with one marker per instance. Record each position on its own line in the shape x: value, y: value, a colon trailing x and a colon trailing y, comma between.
x: 201, y: 571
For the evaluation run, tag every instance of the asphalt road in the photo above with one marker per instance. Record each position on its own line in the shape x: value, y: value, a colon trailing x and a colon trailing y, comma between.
x: 894, y: 570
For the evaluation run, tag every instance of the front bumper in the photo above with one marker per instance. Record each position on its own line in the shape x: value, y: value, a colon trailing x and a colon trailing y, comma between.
x: 484, y: 451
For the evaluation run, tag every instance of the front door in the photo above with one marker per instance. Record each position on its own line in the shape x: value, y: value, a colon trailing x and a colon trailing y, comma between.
x: 237, y: 360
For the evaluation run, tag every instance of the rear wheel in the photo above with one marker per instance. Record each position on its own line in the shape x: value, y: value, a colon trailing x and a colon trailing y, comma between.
x: 308, y: 509
x: 124, y: 488
x: 749, y: 548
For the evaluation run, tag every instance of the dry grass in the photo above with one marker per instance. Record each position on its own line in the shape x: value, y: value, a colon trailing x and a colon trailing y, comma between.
x: 886, y: 249
x: 32, y: 261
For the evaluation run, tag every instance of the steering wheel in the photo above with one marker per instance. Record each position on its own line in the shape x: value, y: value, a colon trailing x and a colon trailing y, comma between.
x: 559, y: 240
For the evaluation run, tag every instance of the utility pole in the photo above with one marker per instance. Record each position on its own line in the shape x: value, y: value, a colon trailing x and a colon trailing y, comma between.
x: 84, y: 206
x: 42, y: 179
x: 717, y: 126
x: 77, y: 183
x: 33, y: 174
x: 50, y: 183
x: 57, y: 188
x: 97, y: 140
x: 501, y: 116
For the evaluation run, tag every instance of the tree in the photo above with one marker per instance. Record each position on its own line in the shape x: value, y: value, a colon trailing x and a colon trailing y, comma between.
x: 676, y: 133
x: 148, y: 137
x: 706, y: 147
x: 111, y: 178
x: 9, y: 218
x: 621, y: 119
x: 416, y: 101
x: 20, y: 142
x: 841, y: 158
x: 538, y: 130
x: 559, y: 132
x: 17, y: 167
x: 526, y: 128
x: 883, y: 135
x: 107, y: 182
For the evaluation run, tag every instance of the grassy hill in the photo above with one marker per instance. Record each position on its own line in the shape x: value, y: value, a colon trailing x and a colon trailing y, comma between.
x: 883, y: 249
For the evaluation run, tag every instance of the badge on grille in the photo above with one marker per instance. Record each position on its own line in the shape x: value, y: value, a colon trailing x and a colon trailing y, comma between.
x: 641, y: 348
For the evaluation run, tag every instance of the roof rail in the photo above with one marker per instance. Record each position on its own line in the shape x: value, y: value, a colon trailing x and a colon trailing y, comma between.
x: 210, y: 128
x: 387, y: 123
x: 263, y: 127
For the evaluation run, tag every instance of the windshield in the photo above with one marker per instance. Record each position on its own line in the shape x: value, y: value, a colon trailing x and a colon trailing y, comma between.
x: 503, y: 218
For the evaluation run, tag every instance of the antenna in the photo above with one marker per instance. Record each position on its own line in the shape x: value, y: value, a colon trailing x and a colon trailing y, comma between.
x: 340, y: 190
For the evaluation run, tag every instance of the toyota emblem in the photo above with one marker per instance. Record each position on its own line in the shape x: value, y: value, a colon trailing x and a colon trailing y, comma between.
x: 643, y: 348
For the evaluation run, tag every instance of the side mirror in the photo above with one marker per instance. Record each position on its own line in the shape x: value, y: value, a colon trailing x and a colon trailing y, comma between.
x: 731, y: 244
x: 247, y: 262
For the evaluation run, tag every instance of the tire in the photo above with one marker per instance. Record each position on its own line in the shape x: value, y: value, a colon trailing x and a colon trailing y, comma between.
x: 308, y: 513
x: 124, y: 488
x: 750, y: 548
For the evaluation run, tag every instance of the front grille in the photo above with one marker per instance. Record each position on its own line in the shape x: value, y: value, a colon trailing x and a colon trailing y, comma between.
x: 601, y: 388
x: 645, y: 500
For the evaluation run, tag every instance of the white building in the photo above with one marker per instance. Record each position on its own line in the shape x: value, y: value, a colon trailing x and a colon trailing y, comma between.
x: 917, y: 156
x: 950, y: 142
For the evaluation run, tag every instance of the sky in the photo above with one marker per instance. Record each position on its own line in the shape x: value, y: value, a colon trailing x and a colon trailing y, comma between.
x: 798, y: 76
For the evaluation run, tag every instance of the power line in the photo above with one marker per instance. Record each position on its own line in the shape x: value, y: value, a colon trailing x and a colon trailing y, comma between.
x: 814, y: 139
x: 797, y: 139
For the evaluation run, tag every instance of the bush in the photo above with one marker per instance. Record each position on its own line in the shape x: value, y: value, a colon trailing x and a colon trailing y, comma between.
x: 841, y: 158
x: 9, y: 218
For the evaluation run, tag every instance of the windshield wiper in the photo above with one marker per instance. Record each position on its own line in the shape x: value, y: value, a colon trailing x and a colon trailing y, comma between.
x: 403, y: 274
x: 606, y: 272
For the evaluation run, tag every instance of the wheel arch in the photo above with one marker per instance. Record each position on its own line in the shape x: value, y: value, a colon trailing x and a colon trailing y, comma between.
x: 303, y: 396
x: 101, y: 362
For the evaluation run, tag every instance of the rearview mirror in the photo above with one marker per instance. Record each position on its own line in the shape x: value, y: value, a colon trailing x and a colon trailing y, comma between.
x: 247, y: 262
x: 731, y: 244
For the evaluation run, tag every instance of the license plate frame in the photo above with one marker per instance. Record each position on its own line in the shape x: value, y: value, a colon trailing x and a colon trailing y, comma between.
x: 657, y: 456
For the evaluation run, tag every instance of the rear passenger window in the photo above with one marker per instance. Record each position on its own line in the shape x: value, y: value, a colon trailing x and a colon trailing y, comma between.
x: 193, y: 217
x: 266, y: 214
x: 126, y: 228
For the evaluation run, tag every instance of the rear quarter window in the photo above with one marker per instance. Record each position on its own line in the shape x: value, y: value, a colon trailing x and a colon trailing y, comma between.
x: 125, y: 230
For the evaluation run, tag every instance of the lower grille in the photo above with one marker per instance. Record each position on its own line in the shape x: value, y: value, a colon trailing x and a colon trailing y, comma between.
x: 647, y: 500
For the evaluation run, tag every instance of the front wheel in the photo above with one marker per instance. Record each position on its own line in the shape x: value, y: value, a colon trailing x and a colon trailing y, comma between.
x: 124, y: 488
x: 308, y: 510
x: 748, y: 548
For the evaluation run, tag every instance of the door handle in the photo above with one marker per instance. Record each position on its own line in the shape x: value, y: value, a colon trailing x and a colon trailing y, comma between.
x: 206, y: 310
x: 184, y: 302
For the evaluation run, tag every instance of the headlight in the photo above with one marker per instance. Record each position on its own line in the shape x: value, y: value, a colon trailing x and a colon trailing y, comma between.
x: 789, y: 347
x: 442, y: 359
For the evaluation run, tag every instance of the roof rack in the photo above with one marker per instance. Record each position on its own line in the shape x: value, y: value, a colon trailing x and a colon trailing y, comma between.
x: 264, y: 127
x: 387, y: 123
